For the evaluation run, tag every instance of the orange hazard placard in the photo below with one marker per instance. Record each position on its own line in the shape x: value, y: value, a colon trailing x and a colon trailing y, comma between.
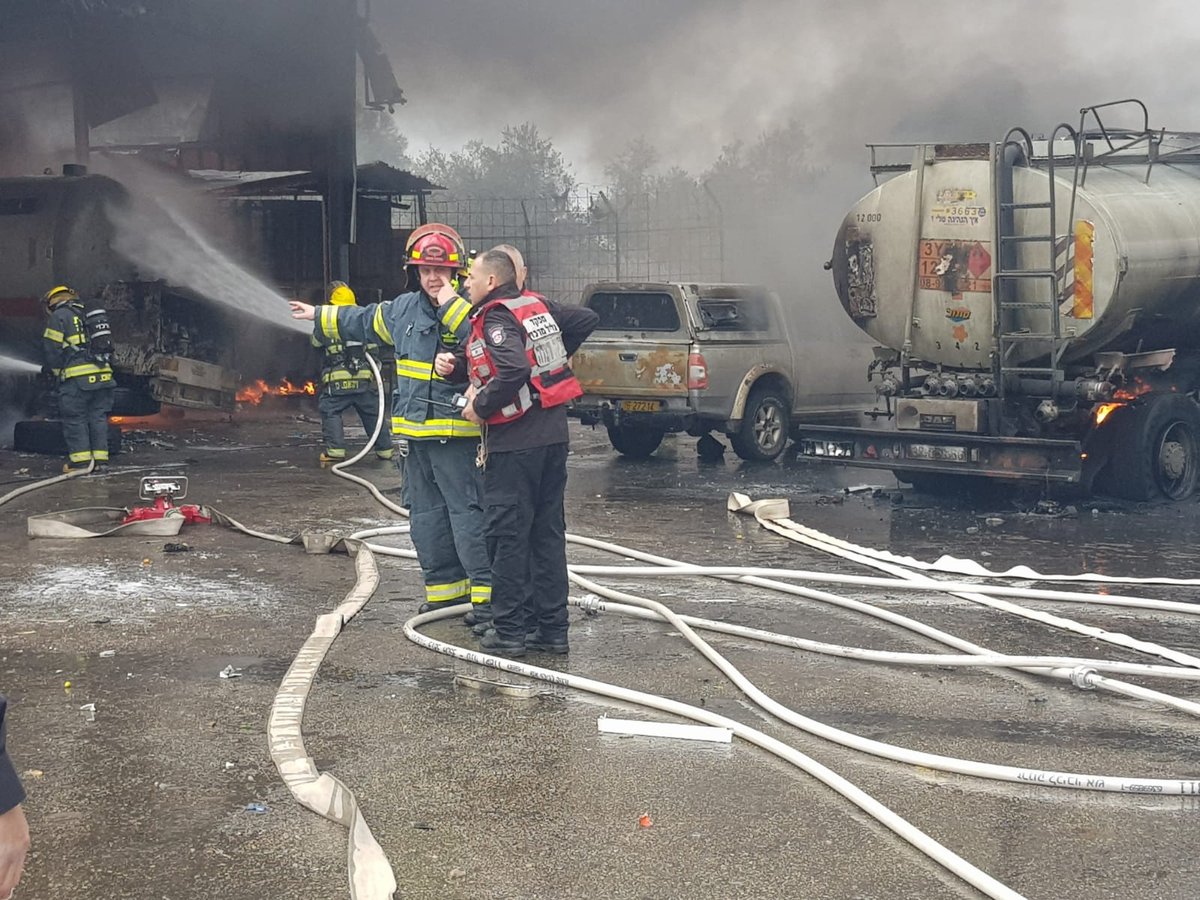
x: 1085, y: 241
x: 954, y: 266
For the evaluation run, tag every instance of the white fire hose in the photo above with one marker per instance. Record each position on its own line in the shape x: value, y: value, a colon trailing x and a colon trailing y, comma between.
x: 370, y: 874
x: 46, y: 482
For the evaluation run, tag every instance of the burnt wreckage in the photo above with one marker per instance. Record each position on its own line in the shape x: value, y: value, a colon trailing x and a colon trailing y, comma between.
x: 213, y: 101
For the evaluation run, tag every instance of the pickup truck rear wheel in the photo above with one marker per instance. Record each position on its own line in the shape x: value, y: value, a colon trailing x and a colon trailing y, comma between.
x: 636, y: 443
x: 765, y: 427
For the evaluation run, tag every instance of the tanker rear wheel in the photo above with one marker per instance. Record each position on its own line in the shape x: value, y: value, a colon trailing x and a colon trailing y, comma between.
x: 1156, y: 450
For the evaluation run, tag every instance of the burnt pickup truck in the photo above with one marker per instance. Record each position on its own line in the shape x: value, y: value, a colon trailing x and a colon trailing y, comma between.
x: 703, y: 358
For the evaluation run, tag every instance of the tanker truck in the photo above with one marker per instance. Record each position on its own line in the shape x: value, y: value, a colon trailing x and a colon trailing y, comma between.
x: 1036, y: 302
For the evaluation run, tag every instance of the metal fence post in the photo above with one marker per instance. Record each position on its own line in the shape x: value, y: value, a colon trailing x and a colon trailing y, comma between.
x: 529, y: 254
x: 612, y: 211
x: 720, y: 231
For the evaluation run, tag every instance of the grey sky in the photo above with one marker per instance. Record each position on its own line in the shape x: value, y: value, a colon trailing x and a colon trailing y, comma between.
x: 693, y: 75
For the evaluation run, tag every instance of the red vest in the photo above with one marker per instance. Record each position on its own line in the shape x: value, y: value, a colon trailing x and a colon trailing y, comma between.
x: 551, y: 377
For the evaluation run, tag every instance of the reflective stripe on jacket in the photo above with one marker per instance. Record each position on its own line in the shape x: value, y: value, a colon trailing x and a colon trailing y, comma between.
x: 344, y: 366
x: 418, y: 331
x: 550, y: 377
x: 65, y: 344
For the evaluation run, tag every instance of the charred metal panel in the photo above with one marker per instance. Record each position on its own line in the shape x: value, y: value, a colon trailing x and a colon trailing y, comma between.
x: 192, y: 383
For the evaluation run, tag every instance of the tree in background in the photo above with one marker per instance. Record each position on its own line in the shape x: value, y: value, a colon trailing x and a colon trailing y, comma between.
x: 635, y: 171
x: 767, y: 191
x: 523, y: 165
x: 380, y: 138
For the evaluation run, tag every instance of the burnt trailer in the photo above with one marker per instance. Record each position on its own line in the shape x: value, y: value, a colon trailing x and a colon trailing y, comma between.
x: 1037, y: 306
x: 171, y: 345
x: 192, y: 339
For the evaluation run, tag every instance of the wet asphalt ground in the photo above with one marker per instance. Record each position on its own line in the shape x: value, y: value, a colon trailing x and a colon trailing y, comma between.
x: 167, y: 791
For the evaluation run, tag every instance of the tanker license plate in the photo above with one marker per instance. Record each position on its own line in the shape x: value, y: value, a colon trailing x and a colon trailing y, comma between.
x: 640, y: 406
x: 937, y: 452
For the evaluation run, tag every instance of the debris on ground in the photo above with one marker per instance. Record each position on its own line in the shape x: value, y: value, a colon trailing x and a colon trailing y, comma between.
x: 176, y: 547
x: 863, y: 488
x: 256, y: 807
x: 231, y: 672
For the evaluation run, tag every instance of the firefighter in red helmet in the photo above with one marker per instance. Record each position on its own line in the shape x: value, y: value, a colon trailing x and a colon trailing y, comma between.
x: 442, y: 484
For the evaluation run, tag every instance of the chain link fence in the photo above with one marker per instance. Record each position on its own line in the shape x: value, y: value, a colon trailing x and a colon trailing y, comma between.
x: 587, y: 235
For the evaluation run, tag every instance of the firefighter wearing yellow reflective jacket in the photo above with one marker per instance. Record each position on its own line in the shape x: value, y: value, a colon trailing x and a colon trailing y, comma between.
x: 442, y: 484
x: 80, y: 361
x: 347, y: 383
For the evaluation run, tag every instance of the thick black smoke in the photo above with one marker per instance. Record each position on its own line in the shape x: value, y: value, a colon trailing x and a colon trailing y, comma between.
x: 693, y: 76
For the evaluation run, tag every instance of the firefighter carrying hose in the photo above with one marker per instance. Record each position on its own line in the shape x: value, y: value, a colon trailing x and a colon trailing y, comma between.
x: 442, y: 483
x: 78, y: 349
x: 346, y: 384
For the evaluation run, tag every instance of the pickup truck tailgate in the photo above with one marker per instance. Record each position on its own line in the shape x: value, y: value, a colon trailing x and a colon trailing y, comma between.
x: 624, y: 369
x: 639, y: 349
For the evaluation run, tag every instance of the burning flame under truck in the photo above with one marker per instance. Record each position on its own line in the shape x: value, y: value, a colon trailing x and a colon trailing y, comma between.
x: 1038, y: 307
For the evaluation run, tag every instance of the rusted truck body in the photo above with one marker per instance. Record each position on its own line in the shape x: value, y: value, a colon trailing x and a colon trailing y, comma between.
x: 171, y: 344
x: 703, y: 358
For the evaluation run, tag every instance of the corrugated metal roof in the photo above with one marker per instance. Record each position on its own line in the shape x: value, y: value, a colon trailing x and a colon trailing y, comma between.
x: 373, y: 178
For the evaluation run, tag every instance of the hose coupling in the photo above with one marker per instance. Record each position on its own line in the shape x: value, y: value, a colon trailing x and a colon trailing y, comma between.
x: 591, y: 605
x: 1083, y: 677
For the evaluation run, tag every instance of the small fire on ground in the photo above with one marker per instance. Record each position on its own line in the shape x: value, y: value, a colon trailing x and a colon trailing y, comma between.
x: 255, y: 392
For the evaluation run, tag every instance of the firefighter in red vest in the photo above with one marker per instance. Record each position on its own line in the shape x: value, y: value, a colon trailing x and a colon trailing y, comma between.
x: 516, y: 359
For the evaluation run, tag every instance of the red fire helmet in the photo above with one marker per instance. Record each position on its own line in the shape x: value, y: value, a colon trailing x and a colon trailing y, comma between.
x: 435, y: 245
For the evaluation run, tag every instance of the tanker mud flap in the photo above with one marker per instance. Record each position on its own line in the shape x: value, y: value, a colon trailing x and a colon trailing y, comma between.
x: 946, y: 453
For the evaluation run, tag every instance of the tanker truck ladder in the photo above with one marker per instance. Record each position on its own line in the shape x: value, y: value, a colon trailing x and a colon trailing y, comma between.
x: 1048, y: 275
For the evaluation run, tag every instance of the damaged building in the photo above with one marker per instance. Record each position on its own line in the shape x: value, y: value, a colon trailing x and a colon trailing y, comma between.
x: 192, y: 165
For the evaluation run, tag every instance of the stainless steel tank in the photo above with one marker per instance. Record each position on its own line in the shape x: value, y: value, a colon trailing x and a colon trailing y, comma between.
x: 915, y: 259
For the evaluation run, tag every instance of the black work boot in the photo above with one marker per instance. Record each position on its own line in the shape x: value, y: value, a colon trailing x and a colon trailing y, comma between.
x: 492, y: 643
x: 479, y: 629
x: 540, y: 642
x: 480, y: 613
x: 431, y: 605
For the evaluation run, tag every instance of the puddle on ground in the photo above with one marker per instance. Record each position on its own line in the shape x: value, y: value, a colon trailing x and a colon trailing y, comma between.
x: 131, y: 591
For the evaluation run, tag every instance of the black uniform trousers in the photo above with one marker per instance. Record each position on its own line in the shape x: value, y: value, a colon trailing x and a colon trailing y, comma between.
x: 366, y: 404
x: 85, y: 420
x: 527, y: 540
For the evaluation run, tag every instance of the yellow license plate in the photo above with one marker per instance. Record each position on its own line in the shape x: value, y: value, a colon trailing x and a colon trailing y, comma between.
x: 640, y: 406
